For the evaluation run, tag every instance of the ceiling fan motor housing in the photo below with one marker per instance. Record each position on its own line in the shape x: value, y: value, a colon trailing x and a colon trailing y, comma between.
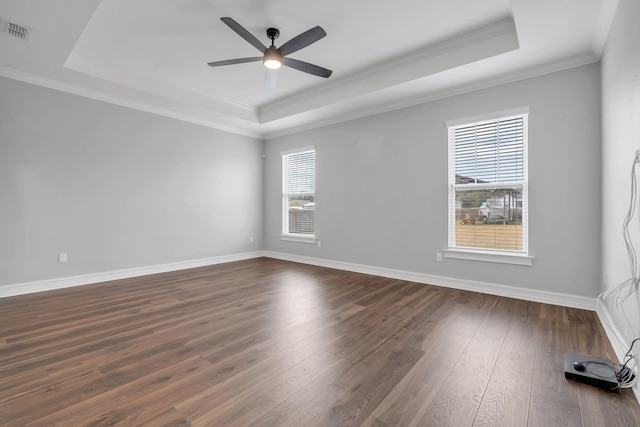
x: 273, y: 33
x: 272, y: 58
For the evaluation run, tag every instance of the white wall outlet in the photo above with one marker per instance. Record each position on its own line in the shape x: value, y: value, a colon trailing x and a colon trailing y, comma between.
x: 250, y: 239
x: 318, y: 243
x: 62, y: 257
x: 439, y: 256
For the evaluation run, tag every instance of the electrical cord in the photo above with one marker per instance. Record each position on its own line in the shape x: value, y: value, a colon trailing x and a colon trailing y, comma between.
x: 619, y: 294
x: 623, y: 372
x: 626, y: 377
x: 625, y: 225
x: 623, y: 291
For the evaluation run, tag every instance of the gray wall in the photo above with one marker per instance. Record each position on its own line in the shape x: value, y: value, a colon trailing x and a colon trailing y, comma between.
x: 621, y: 138
x: 117, y: 188
x: 382, y: 186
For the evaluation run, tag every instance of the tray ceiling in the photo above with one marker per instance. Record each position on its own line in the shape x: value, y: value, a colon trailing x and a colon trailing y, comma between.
x: 152, y: 54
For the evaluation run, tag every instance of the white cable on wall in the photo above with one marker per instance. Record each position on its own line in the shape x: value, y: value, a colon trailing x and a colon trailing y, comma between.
x: 620, y: 293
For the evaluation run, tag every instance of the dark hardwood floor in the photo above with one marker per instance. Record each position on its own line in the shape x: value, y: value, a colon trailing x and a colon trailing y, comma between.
x: 272, y: 343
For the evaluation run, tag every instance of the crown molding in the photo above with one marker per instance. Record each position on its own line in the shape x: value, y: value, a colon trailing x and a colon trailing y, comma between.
x: 123, y: 102
x: 384, y: 107
x: 309, y: 123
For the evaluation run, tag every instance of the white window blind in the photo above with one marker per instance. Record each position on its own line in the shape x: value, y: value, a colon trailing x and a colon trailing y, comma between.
x: 298, y: 193
x: 488, y: 185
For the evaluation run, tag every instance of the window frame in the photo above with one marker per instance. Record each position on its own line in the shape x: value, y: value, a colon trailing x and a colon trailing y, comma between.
x: 286, y: 235
x: 520, y: 257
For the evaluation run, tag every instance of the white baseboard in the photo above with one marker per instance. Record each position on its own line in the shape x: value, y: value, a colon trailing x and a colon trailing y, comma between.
x: 86, y: 279
x: 619, y: 344
x: 555, y: 298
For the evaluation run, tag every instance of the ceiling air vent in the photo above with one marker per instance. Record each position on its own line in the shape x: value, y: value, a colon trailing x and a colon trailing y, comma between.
x: 15, y: 30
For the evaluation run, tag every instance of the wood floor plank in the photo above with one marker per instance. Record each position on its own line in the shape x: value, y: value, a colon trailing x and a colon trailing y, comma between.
x: 256, y: 401
x: 445, y: 411
x: 284, y: 415
x: 46, y: 360
x: 407, y: 403
x: 476, y: 307
x: 470, y: 376
x: 553, y: 341
x: 501, y: 410
x: 321, y: 392
x: 318, y: 394
x: 360, y: 397
x: 513, y: 371
x: 601, y: 408
x: 267, y: 342
x: 57, y: 395
x: 553, y: 408
x: 168, y: 418
x: 587, y: 335
x: 132, y: 402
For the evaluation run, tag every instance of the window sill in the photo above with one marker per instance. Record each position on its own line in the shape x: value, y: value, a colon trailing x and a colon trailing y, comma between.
x: 486, y: 256
x: 298, y: 238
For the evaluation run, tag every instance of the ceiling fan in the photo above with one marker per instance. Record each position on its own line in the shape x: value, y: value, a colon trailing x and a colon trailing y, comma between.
x: 273, y: 58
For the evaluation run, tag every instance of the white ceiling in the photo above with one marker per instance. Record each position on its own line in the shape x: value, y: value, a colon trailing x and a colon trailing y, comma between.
x: 152, y: 54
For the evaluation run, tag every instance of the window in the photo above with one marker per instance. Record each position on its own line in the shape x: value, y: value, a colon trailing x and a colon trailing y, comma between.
x: 298, y: 193
x: 488, y: 185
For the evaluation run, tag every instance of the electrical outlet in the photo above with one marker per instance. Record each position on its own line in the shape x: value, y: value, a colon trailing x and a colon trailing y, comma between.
x: 251, y: 239
x: 62, y: 258
x: 318, y: 243
x: 439, y: 256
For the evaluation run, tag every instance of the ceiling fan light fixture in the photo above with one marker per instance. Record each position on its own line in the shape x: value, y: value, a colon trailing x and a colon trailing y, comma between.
x: 272, y: 58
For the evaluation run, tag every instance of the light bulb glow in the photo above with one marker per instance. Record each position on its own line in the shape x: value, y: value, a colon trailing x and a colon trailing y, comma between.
x: 272, y: 58
x: 272, y: 64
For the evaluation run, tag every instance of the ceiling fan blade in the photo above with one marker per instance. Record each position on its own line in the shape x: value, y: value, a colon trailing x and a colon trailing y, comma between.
x: 242, y: 32
x: 306, y: 67
x: 302, y: 40
x: 234, y: 61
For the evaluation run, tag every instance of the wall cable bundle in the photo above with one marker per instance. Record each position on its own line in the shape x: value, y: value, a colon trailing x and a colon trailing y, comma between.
x: 619, y: 294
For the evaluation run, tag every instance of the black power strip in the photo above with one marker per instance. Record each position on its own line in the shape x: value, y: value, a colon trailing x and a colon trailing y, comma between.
x: 590, y: 370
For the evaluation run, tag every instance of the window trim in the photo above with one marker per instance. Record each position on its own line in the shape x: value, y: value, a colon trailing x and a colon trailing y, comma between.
x: 299, y: 238
x: 295, y: 237
x: 486, y: 254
